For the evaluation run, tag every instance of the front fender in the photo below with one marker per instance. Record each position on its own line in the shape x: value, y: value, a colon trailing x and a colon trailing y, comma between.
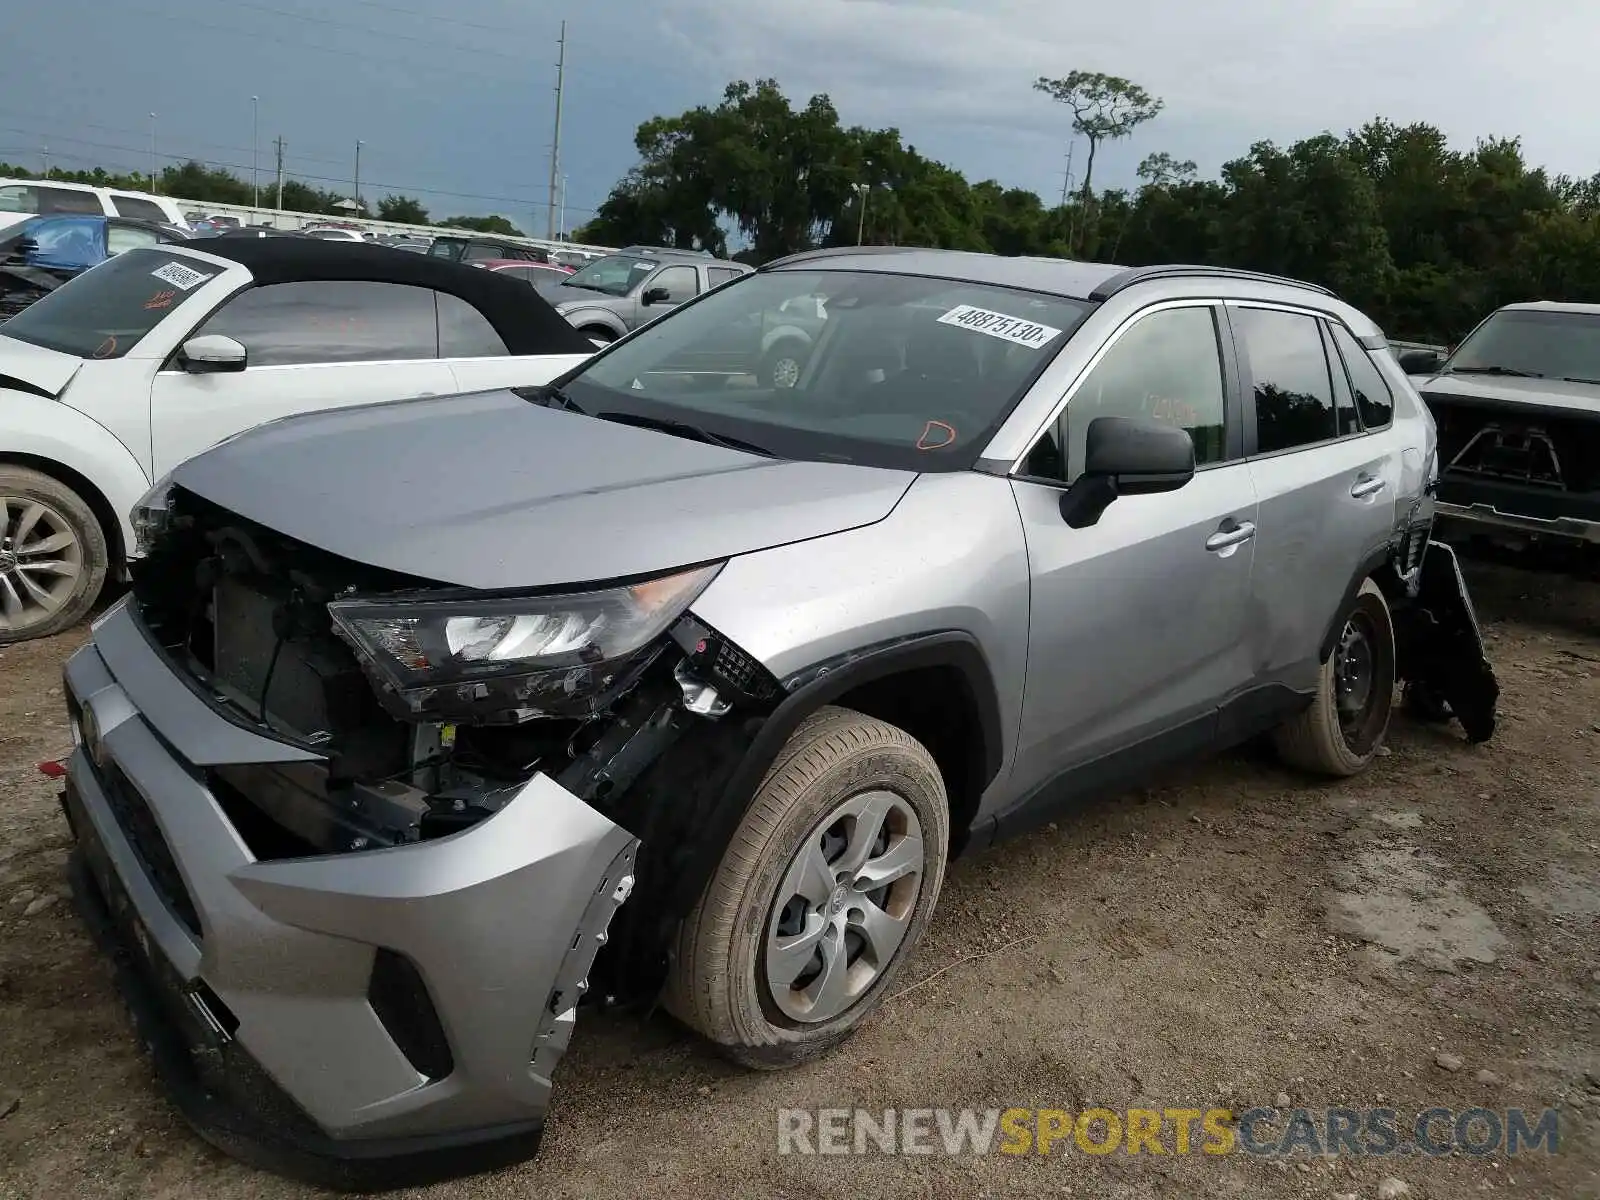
x: 47, y: 432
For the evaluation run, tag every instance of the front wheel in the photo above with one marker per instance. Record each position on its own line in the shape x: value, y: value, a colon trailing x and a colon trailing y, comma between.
x: 599, y: 334
x: 53, y: 557
x: 1341, y: 732
x: 821, y: 896
x: 781, y: 365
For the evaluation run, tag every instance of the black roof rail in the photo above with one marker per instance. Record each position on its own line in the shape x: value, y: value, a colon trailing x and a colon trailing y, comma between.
x: 833, y: 252
x: 1126, y: 279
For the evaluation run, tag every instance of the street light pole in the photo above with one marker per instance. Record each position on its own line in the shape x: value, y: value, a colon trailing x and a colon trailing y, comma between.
x: 357, y: 196
x: 561, y: 226
x: 255, y: 151
x: 152, y: 152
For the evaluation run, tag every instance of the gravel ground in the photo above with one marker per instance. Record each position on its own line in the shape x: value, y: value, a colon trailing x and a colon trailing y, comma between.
x: 1428, y: 934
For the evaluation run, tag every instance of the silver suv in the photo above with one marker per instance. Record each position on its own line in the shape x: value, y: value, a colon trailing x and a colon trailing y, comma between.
x: 622, y: 291
x: 424, y: 719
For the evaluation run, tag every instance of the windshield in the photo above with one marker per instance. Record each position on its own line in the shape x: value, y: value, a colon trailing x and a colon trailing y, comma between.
x: 1558, y: 345
x: 104, y: 312
x: 614, y: 275
x: 883, y: 370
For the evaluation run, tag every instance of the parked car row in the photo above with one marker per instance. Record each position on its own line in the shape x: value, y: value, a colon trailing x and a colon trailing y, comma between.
x: 527, y: 672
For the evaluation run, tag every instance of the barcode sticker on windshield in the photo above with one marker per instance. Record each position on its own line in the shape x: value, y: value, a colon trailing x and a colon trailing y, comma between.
x: 180, y: 276
x: 1012, y: 329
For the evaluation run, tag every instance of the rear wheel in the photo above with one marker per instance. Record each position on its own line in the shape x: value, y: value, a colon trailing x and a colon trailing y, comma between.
x: 598, y: 333
x: 781, y: 365
x: 1341, y: 732
x: 821, y: 896
x: 53, y: 557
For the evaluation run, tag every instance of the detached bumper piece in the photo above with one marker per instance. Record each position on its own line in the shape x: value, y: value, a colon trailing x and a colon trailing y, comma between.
x: 359, y: 1021
x: 1442, y: 646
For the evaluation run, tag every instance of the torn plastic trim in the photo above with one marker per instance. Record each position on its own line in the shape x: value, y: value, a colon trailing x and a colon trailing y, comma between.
x: 560, y: 1013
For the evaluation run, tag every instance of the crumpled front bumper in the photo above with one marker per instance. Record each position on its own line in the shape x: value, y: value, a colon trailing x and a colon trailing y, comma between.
x: 361, y: 1020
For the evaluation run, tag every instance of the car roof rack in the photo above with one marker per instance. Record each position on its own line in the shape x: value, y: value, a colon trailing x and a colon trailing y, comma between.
x: 1135, y: 275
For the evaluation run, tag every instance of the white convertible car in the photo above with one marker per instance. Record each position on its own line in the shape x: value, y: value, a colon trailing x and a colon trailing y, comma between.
x: 113, y: 379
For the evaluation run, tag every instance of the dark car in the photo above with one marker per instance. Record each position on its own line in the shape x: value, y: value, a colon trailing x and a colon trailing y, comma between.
x: 42, y: 253
x: 1517, y: 405
x: 473, y: 248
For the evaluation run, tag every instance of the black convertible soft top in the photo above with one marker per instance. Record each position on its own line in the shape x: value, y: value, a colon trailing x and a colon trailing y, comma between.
x: 523, y: 319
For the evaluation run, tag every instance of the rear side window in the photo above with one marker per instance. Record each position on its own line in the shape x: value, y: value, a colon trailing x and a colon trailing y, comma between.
x: 64, y: 200
x: 18, y: 198
x: 464, y: 332
x: 1289, y: 373
x: 143, y: 210
x: 122, y: 238
x: 477, y: 252
x: 722, y: 274
x: 331, y: 321
x: 1374, y: 400
x: 105, y: 312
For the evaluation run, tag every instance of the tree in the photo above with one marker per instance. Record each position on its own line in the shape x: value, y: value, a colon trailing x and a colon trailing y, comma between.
x: 1104, y: 108
x: 402, y: 209
x: 490, y: 224
x: 1162, y: 170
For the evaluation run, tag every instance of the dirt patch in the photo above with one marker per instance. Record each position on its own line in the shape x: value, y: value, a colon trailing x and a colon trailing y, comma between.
x: 1232, y: 936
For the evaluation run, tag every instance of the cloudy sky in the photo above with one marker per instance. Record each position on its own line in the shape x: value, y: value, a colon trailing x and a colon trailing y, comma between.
x: 454, y: 98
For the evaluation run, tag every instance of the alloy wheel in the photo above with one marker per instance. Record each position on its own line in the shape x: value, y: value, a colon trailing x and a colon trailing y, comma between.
x: 41, y: 559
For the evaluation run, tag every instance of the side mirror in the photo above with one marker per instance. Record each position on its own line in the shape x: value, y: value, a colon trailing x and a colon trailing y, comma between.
x: 1421, y: 362
x: 656, y: 295
x: 212, y: 354
x: 1126, y: 456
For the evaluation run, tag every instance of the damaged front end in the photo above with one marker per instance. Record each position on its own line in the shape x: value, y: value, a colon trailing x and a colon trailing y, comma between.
x: 361, y: 837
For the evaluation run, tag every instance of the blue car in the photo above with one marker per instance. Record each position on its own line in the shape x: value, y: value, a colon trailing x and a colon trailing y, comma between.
x: 42, y: 253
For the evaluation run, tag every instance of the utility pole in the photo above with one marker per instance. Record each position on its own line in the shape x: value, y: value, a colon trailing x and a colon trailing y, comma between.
x: 1066, y: 182
x: 45, y: 151
x: 279, y: 144
x: 357, y: 196
x: 555, y: 146
x: 561, y: 225
x: 152, y: 152
x: 255, y: 153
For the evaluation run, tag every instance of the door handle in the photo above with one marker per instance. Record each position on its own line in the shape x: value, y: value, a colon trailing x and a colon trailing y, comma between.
x: 1367, y: 485
x: 1236, y: 535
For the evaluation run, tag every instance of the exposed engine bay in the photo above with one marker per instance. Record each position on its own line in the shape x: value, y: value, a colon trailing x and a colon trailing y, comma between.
x: 244, y: 613
x: 1519, y: 445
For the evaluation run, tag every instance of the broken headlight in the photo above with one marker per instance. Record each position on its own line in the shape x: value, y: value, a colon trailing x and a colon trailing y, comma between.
x: 149, y: 516
x: 515, y: 658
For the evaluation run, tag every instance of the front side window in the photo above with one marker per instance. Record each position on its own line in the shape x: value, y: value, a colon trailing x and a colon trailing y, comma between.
x: 330, y: 321
x: 105, y: 312
x: 464, y: 332
x: 907, y: 372
x: 722, y: 274
x: 680, y: 284
x: 1554, y: 345
x: 65, y: 200
x: 1165, y: 367
x: 1374, y: 400
x: 614, y: 275
x: 1289, y: 373
x: 478, y: 252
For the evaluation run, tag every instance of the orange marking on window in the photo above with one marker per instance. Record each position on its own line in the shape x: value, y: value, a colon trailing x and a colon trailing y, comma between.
x: 931, y: 431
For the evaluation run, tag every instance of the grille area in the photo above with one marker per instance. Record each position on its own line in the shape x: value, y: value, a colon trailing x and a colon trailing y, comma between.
x: 139, y: 824
x: 1519, y: 445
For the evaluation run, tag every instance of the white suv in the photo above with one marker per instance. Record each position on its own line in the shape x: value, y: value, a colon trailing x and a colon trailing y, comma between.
x: 24, y: 198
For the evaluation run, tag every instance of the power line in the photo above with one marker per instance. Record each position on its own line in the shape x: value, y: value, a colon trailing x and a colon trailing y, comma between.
x: 407, y: 189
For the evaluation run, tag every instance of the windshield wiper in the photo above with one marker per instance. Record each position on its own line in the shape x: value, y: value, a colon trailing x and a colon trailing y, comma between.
x: 551, y: 397
x: 684, y: 429
x: 1494, y: 371
x: 1578, y: 379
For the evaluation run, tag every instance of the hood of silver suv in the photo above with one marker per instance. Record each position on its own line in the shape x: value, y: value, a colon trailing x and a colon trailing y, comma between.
x: 492, y: 491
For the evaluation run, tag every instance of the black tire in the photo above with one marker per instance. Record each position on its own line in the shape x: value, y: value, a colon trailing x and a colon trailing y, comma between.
x: 782, y: 363
x: 1424, y: 704
x: 598, y: 333
x: 31, y: 501
x: 719, y: 982
x: 1319, y: 740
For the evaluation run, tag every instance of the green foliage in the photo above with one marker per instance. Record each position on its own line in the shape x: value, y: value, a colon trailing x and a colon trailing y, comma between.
x: 489, y: 224
x: 1425, y: 238
x: 402, y: 209
x: 1105, y: 108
